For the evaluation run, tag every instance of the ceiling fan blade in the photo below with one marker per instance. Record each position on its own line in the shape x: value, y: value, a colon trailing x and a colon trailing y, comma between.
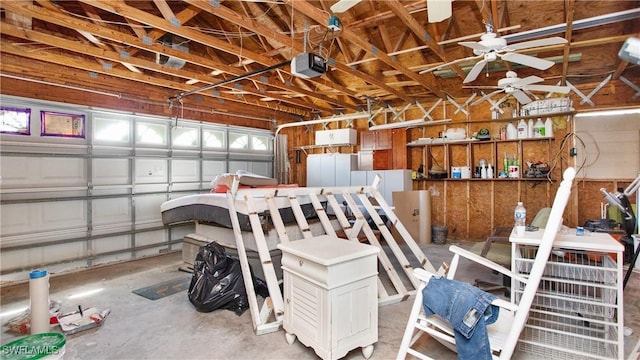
x: 485, y: 97
x: 343, y: 5
x: 475, y: 46
x: 536, y: 43
x: 435, y: 68
x: 481, y: 87
x: 527, y: 81
x: 549, y: 88
x: 521, y: 97
x: 532, y: 61
x: 475, y: 71
x: 438, y: 10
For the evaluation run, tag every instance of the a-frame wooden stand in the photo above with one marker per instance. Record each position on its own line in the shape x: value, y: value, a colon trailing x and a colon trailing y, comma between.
x: 395, y: 280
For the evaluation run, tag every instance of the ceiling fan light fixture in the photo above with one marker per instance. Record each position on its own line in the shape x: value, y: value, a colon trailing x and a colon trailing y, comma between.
x: 343, y: 5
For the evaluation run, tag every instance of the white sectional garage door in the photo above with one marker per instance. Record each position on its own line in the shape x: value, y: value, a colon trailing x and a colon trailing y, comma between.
x: 93, y: 196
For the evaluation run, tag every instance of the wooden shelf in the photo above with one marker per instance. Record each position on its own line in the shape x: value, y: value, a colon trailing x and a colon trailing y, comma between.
x: 332, y: 146
x: 466, y: 142
x: 492, y: 179
x: 526, y: 117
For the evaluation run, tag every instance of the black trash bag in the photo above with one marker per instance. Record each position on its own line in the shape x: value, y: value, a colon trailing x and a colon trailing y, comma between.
x: 217, y: 282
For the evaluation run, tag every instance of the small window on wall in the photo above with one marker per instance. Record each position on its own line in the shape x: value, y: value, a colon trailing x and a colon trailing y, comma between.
x: 151, y: 134
x: 111, y: 130
x: 238, y: 141
x: 213, y: 139
x: 15, y: 121
x: 260, y: 143
x: 62, y: 124
x: 185, y: 136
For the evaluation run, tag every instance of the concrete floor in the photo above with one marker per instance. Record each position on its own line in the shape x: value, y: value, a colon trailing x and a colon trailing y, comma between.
x: 170, y: 328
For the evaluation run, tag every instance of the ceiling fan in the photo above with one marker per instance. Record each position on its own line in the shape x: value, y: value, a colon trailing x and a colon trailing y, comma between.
x: 515, y: 86
x: 491, y: 46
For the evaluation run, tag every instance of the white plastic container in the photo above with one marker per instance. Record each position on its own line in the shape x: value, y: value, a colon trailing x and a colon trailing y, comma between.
x: 465, y: 172
x: 512, y: 132
x: 514, y: 171
x: 39, y: 299
x: 523, y: 130
x: 456, y: 172
x: 548, y: 128
x: 530, y: 129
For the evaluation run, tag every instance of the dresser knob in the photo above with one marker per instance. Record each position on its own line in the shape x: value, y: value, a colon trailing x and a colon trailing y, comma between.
x: 301, y: 262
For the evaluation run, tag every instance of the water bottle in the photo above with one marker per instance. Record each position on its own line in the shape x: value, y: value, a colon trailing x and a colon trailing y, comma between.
x: 520, y: 217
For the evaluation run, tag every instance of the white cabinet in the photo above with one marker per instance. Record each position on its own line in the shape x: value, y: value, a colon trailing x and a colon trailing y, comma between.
x: 392, y: 180
x: 330, y: 169
x: 330, y: 295
x: 577, y: 312
x: 337, y: 136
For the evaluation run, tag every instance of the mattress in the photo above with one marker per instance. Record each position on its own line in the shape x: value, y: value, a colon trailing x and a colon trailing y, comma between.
x: 213, y: 208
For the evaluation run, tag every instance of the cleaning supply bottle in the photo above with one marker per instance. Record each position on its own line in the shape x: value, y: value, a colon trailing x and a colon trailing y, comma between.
x: 520, y: 218
x: 539, y: 129
x: 548, y: 128
x: 523, y: 129
x: 489, y: 172
x: 512, y: 132
x: 530, y: 129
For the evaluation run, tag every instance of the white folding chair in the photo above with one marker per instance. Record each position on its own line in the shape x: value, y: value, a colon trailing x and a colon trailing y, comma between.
x: 504, y: 333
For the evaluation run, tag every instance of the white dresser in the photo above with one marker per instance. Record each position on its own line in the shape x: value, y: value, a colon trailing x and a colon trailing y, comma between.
x: 330, y: 295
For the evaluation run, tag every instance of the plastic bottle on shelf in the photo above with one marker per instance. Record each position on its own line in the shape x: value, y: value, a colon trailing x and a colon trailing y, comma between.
x: 520, y: 217
x: 523, y: 130
x: 530, y: 129
x: 548, y: 128
x: 539, y: 129
x: 512, y: 132
x: 489, y: 172
x: 483, y: 172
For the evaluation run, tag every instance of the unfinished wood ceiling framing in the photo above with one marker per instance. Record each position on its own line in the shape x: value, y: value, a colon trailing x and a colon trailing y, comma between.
x: 157, y: 50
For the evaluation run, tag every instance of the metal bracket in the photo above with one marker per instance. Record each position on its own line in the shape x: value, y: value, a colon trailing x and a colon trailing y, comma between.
x: 587, y: 98
x: 631, y: 85
x: 458, y: 106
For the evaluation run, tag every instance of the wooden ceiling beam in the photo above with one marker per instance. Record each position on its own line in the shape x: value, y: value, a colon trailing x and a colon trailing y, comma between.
x: 254, y: 26
x: 122, y: 9
x: 423, y: 36
x: 81, y: 64
x: 165, y: 10
x: 416, y: 6
x: 74, y: 23
x: 114, y: 56
x: 569, y: 10
x: 68, y: 83
x: 322, y: 18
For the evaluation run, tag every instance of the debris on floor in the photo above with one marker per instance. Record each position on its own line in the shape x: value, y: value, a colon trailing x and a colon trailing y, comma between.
x: 82, y: 319
x: 21, y: 324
